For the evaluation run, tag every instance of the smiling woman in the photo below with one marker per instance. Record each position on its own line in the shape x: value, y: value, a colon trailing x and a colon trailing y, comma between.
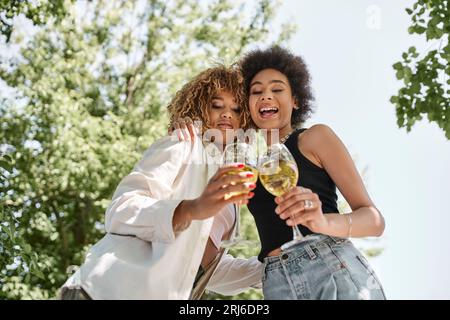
x: 325, y: 264
x: 224, y: 114
x: 271, y: 97
x: 292, y: 85
x: 205, y: 97
x: 168, y: 217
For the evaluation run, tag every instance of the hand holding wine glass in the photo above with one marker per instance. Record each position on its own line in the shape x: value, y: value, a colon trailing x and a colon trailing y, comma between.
x: 278, y: 173
x: 227, y: 180
x: 246, y: 154
x: 302, y: 206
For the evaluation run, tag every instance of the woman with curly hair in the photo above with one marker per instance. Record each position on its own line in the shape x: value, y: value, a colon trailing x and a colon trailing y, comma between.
x: 168, y: 217
x: 325, y: 265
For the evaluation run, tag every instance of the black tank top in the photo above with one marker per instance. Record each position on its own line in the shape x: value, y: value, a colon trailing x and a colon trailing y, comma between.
x: 272, y: 230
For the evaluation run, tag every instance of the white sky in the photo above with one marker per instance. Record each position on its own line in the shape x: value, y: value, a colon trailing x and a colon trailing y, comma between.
x: 350, y: 47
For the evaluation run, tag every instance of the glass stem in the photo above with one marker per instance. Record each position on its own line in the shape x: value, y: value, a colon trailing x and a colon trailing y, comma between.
x: 237, y: 232
x: 296, y: 234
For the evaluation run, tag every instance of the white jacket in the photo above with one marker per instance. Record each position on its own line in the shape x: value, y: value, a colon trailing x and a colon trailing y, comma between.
x: 146, y: 260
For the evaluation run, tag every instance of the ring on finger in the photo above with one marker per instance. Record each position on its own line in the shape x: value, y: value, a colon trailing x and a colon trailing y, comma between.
x: 308, y: 204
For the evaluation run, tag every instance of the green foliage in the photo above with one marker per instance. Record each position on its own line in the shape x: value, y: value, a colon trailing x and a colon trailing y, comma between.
x: 37, y: 11
x: 16, y: 252
x: 90, y: 92
x: 426, y: 76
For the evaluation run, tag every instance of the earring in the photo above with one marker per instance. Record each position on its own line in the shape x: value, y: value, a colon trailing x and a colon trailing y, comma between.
x: 295, y: 107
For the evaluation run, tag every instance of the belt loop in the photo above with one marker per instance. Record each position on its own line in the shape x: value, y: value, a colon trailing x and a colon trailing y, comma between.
x: 336, y: 240
x: 310, y: 252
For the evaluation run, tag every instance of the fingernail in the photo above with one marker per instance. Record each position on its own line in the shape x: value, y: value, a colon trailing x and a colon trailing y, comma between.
x: 252, y: 185
x: 289, y: 223
x: 277, y: 210
x: 240, y: 165
x: 249, y: 175
x: 251, y: 194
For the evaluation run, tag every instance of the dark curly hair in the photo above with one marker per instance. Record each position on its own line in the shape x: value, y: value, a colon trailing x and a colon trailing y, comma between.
x: 292, y: 66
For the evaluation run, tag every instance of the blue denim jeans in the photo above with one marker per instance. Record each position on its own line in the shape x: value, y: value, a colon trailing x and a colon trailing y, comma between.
x: 320, y: 268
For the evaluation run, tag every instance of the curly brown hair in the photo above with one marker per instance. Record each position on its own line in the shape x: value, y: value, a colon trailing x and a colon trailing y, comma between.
x: 292, y: 66
x: 194, y: 100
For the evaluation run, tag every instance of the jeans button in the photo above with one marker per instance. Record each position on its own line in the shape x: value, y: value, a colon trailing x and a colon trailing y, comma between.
x: 284, y: 256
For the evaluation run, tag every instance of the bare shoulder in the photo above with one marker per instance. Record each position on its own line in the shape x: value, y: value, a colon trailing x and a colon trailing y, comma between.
x: 310, y: 142
x: 317, y: 143
x: 321, y: 130
x: 316, y: 136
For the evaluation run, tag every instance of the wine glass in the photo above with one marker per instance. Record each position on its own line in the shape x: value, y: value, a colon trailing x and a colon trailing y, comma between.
x: 278, y: 173
x: 246, y: 154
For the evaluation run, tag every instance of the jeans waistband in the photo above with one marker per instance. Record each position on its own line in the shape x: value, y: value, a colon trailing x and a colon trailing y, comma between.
x: 304, y: 249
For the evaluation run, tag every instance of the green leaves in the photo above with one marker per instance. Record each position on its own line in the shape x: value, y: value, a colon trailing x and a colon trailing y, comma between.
x: 16, y: 254
x: 37, y: 11
x: 425, y: 75
x: 6, y: 166
x: 92, y: 88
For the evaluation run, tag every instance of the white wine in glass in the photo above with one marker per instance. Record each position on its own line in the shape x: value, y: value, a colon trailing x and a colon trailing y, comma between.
x: 246, y: 154
x: 253, y: 179
x: 278, y: 173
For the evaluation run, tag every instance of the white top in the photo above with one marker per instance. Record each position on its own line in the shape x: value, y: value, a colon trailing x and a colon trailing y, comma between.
x: 153, y: 262
x: 222, y: 224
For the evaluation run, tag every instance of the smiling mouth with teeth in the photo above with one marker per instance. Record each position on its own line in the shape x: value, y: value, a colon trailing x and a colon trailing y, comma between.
x: 268, y: 111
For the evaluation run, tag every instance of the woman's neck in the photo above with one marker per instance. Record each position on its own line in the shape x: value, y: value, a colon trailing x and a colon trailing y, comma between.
x: 275, y: 135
